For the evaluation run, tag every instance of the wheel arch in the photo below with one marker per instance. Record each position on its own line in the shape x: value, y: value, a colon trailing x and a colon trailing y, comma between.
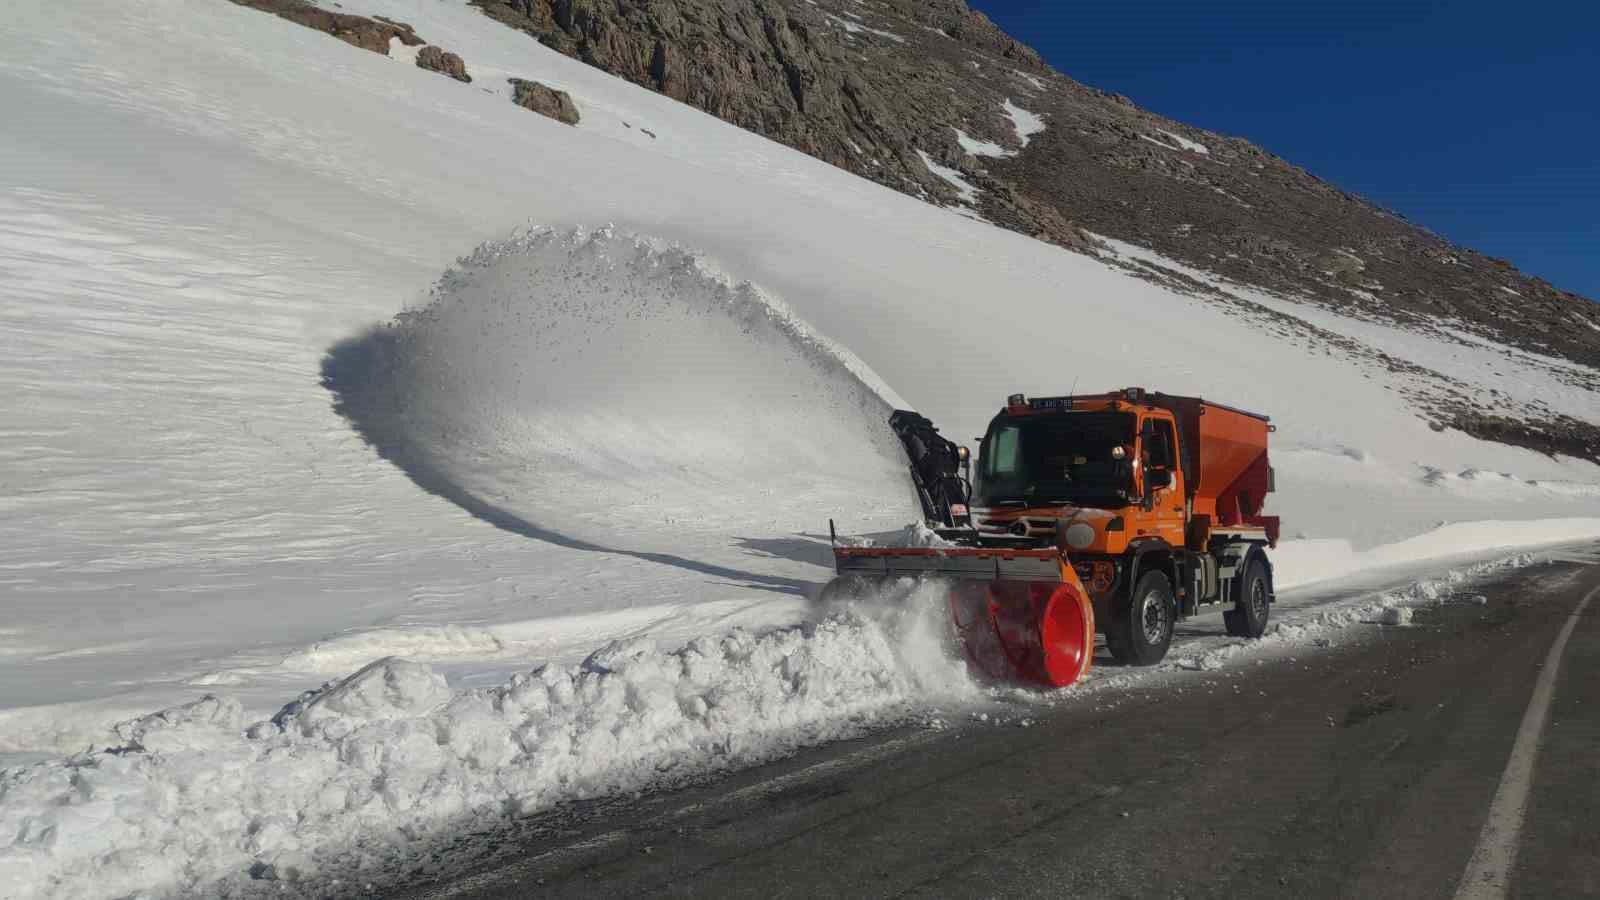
x: 1151, y: 553
x: 1233, y: 561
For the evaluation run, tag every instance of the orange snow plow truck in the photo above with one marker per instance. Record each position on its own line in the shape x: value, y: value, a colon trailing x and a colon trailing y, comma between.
x: 1119, y: 513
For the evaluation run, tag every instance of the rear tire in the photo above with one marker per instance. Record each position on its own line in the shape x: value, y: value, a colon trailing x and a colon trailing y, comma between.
x: 1248, y: 618
x: 1142, y: 633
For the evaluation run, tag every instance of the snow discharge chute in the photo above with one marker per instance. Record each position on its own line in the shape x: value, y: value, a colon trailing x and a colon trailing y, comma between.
x: 604, y: 386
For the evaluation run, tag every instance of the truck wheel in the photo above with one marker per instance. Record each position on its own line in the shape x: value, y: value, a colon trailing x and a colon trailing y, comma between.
x: 1142, y: 634
x: 1248, y: 618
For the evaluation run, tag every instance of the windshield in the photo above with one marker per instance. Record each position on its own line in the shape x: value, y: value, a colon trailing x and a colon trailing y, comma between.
x: 1053, y: 460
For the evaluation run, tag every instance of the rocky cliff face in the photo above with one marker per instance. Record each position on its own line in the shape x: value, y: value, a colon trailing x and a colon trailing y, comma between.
x: 929, y: 97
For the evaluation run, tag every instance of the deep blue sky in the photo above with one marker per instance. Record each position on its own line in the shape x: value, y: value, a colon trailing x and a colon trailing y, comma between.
x: 1479, y: 121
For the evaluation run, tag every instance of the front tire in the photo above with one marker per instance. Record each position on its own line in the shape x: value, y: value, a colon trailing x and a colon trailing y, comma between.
x: 1142, y: 634
x: 1248, y: 618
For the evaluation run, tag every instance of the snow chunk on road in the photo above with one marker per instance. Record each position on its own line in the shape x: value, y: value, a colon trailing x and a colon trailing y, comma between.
x: 364, y: 774
x: 386, y: 689
x: 916, y: 535
x: 1026, y: 123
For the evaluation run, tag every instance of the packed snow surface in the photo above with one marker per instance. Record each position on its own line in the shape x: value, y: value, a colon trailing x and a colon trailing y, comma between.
x: 315, y: 363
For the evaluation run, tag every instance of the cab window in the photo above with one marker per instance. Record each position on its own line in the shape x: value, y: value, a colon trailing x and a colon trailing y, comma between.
x: 1160, y: 448
x: 1002, y: 459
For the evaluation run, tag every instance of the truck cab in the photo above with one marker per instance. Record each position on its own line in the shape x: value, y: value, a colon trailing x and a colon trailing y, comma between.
x: 1154, y: 500
x: 1051, y: 463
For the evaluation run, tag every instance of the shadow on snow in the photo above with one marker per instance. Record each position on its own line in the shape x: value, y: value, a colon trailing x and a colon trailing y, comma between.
x: 365, y: 375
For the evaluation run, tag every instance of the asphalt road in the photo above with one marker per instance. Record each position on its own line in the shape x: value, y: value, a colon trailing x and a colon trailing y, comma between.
x: 1366, y: 770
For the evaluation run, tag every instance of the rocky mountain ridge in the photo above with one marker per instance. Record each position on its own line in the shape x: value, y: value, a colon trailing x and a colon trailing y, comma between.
x: 930, y: 98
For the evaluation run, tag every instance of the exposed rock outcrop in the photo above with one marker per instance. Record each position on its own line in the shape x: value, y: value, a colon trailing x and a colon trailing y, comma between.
x: 375, y: 34
x: 545, y: 101
x: 368, y: 34
x: 444, y: 62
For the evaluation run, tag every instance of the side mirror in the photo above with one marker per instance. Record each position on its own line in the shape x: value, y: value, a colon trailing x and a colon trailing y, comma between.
x: 1154, y: 480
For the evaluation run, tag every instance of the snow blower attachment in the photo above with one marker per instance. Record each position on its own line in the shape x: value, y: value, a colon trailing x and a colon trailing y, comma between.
x: 1118, y: 512
x: 940, y: 470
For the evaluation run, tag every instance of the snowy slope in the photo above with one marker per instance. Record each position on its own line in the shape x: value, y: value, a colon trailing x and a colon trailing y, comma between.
x: 228, y: 467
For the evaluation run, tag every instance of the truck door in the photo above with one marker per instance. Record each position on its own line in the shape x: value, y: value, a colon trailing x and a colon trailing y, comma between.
x: 1163, y: 481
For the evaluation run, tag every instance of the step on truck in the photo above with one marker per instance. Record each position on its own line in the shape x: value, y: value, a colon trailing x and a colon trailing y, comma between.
x: 1120, y: 513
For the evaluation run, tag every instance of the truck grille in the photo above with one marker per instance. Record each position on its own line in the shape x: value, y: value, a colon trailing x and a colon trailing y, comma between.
x: 1030, y: 526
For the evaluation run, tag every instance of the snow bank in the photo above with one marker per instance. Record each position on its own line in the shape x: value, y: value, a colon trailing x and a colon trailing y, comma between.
x: 1301, y: 562
x: 359, y: 776
x: 1308, y: 628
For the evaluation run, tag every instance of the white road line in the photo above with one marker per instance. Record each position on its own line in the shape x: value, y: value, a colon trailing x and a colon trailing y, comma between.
x: 1489, y: 870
